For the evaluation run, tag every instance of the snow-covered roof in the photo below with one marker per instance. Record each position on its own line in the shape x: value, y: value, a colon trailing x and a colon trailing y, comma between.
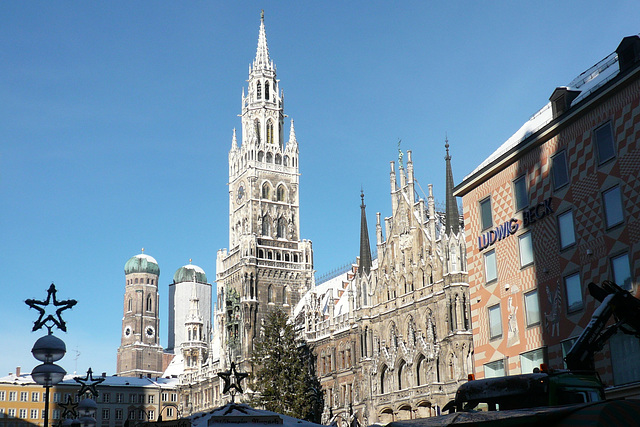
x: 240, y: 413
x: 110, y: 381
x: 587, y: 82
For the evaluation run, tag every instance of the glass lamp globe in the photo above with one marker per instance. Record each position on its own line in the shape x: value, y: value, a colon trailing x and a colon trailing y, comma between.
x: 49, y: 348
x: 48, y: 374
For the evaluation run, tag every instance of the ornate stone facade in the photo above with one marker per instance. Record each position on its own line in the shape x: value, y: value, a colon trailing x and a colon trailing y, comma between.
x: 393, y: 336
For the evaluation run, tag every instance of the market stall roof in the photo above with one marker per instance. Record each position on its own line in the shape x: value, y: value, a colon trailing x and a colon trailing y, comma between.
x: 240, y: 414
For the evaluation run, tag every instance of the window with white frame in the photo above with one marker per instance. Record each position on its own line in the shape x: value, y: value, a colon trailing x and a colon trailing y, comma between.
x: 621, y: 270
x: 24, y: 396
x: 495, y: 322
x: 118, y: 414
x: 612, y: 201
x: 526, y: 249
x: 35, y: 396
x: 152, y: 415
x: 164, y: 396
x: 532, y: 308
x: 559, y: 172
x: 34, y: 414
x: 13, y: 395
x: 2, y: 395
x: 486, y: 218
x: 152, y: 398
x: 105, y: 413
x: 11, y: 412
x: 490, y: 267
x: 494, y: 369
x: 604, y: 143
x: 169, y: 412
x: 566, y: 231
x: 573, y: 292
x: 23, y: 413
x: 521, y: 195
x: 106, y: 397
x: 531, y: 360
x: 174, y: 397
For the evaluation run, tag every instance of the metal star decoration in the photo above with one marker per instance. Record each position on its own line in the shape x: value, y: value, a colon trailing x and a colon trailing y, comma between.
x: 232, y: 380
x: 68, y: 408
x: 88, y: 384
x: 55, y: 319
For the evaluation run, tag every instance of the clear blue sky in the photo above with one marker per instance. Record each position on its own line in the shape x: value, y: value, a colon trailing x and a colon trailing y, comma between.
x: 116, y: 120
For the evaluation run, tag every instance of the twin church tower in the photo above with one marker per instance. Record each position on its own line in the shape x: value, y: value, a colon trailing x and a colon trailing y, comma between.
x: 266, y: 267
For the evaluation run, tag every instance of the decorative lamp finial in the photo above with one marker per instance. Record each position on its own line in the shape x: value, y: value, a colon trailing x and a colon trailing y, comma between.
x: 55, y: 318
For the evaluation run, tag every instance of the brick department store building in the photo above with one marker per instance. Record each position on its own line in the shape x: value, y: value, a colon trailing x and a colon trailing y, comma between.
x: 555, y: 208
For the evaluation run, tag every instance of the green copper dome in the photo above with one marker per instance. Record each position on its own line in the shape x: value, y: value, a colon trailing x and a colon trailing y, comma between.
x: 190, y: 273
x: 142, y: 263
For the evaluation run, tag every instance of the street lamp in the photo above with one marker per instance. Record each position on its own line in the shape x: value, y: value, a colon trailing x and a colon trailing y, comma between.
x: 49, y: 349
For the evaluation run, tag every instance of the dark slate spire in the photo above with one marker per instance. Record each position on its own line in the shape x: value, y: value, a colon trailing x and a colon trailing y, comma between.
x: 364, y: 266
x: 452, y: 224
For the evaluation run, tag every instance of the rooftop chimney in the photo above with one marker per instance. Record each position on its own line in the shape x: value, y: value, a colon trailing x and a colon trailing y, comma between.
x: 17, y: 371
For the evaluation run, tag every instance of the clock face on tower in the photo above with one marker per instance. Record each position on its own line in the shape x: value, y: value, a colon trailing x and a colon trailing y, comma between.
x: 240, y: 193
x: 127, y: 331
x: 149, y: 331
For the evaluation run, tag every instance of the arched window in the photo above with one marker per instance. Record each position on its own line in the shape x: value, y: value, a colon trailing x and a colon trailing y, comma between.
x: 259, y: 90
x: 420, y: 370
x: 136, y: 281
x: 269, y: 132
x: 270, y: 294
x: 287, y: 257
x: 282, y: 228
x: 285, y: 161
x: 401, y: 374
x: 266, y: 230
x: 383, y: 379
x: 260, y: 156
x: 256, y: 128
x: 266, y: 90
x: 260, y: 253
x: 278, y: 159
x: 269, y: 158
x: 285, y: 297
x: 266, y: 191
x: 149, y: 303
x: 129, y: 305
x: 280, y: 193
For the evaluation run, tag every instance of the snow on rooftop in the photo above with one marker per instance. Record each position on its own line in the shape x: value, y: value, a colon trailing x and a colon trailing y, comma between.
x: 147, y: 257
x: 587, y: 82
x: 240, y: 413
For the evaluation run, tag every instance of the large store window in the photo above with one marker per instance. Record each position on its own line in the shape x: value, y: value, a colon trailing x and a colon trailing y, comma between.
x: 490, y: 267
x: 486, y: 218
x: 604, y: 143
x: 495, y: 322
x: 573, y: 291
x: 621, y: 270
x: 612, y: 202
x: 532, y: 308
x: 566, y: 231
x: 494, y: 369
x: 559, y: 170
x: 531, y: 360
x: 625, y: 358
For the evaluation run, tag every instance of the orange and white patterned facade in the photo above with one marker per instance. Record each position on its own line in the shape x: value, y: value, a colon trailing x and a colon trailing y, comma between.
x: 555, y: 208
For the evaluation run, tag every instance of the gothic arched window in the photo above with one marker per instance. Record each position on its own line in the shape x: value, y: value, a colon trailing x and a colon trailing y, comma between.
x: 149, y: 303
x: 280, y: 193
x: 269, y: 158
x: 269, y: 131
x: 270, y: 294
x: 265, y: 226
x: 285, y: 297
x: 421, y: 370
x: 266, y: 191
x: 266, y: 90
x: 259, y: 90
x: 383, y: 379
x: 129, y: 305
x: 278, y: 159
x: 401, y: 374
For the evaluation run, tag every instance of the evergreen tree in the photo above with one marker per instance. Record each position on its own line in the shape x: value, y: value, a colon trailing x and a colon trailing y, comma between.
x: 283, y: 372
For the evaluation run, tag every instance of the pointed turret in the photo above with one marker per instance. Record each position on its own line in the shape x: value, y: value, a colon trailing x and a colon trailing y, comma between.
x: 234, y: 141
x: 452, y: 223
x: 262, y: 60
x: 364, y: 266
x: 292, y: 134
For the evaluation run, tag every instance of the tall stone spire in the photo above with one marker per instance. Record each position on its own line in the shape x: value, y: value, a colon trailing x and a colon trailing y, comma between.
x: 262, y: 53
x: 364, y: 266
x: 452, y: 223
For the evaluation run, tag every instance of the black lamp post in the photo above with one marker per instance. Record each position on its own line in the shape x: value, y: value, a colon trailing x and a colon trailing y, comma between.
x: 49, y: 349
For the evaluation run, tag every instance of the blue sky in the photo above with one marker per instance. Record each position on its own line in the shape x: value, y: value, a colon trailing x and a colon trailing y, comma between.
x: 116, y: 120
